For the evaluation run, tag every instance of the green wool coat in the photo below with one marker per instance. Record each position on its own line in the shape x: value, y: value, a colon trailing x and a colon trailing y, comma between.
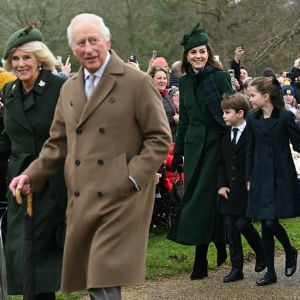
x: 198, y: 135
x: 27, y: 122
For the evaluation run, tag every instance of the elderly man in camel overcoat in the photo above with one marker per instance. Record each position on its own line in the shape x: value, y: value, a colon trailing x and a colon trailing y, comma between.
x: 112, y: 139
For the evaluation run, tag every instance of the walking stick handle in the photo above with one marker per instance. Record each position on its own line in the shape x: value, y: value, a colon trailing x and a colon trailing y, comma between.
x: 29, y: 204
x: 18, y: 196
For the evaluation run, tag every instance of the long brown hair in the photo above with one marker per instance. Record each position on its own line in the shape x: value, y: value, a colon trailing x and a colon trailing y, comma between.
x: 211, y: 60
x: 270, y: 86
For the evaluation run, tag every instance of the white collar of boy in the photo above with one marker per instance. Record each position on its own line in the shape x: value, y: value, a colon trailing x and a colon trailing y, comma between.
x: 98, y: 74
x: 240, y: 130
x: 241, y: 127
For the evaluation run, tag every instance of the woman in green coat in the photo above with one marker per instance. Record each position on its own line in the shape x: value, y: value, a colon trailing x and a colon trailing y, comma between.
x: 30, y: 103
x: 198, y: 134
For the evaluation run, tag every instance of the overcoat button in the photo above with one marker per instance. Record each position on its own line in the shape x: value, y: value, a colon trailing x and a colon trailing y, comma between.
x: 77, y: 162
x: 232, y: 178
x: 233, y: 167
x: 99, y: 195
x: 79, y: 130
x: 76, y: 194
x: 234, y: 157
x: 102, y: 130
x: 112, y: 99
x: 100, y: 162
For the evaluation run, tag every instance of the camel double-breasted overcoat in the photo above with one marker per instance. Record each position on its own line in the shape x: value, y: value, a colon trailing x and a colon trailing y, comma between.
x: 121, y: 131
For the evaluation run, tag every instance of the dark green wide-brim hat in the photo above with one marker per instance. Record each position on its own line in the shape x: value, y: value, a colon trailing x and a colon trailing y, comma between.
x: 197, y: 37
x: 21, y: 37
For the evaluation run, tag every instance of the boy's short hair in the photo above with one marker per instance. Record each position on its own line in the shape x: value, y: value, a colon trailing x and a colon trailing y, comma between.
x: 237, y: 102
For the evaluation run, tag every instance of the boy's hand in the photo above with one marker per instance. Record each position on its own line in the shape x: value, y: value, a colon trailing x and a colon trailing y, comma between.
x: 224, y: 192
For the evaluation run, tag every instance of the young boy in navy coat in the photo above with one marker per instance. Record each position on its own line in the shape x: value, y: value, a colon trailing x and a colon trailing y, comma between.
x: 232, y: 187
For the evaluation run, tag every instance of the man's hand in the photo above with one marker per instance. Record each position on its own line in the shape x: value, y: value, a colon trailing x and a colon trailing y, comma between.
x: 238, y: 53
x: 224, y: 192
x: 20, y: 185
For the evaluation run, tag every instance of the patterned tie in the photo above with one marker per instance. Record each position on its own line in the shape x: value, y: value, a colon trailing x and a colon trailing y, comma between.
x: 235, y: 131
x: 91, y: 85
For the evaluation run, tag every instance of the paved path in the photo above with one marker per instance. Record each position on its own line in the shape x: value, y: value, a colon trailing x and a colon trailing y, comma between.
x: 181, y: 288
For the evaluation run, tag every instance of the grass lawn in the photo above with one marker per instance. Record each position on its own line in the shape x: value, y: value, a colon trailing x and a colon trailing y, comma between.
x: 167, y: 259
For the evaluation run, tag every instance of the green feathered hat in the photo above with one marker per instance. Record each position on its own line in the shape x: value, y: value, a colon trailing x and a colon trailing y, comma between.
x: 197, y: 37
x: 21, y: 37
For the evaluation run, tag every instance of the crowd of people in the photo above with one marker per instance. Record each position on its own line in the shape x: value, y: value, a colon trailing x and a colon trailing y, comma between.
x: 89, y: 146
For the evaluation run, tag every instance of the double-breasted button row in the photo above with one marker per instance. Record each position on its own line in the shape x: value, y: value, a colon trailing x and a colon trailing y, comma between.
x: 102, y: 130
x: 100, y: 162
x: 99, y: 194
x: 79, y: 130
x: 77, y: 162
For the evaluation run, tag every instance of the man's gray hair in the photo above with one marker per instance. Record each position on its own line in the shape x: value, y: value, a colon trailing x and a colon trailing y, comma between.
x: 81, y: 18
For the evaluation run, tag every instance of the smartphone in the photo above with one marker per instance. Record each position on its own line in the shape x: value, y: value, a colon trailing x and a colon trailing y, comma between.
x: 154, y: 53
x: 132, y: 58
x: 68, y: 59
x: 59, y: 59
x: 217, y: 58
x: 231, y: 73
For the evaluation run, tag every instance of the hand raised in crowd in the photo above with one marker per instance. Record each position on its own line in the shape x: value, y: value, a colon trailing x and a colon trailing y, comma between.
x: 297, y: 63
x: 134, y: 64
x: 235, y: 84
x: 238, y: 53
x: 66, y: 68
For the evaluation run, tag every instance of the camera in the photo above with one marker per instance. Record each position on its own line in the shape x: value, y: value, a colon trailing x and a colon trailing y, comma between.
x: 154, y: 53
x: 231, y: 73
x: 132, y: 58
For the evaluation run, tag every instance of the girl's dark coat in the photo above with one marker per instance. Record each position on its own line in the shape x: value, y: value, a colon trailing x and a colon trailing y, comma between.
x: 274, y: 189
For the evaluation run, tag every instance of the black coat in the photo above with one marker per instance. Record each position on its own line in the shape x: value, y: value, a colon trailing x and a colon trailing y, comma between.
x: 232, y: 174
x: 270, y: 167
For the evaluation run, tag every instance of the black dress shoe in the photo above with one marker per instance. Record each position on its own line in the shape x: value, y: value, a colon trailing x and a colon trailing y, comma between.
x: 268, y: 278
x: 291, y: 263
x: 260, y: 264
x: 234, y: 275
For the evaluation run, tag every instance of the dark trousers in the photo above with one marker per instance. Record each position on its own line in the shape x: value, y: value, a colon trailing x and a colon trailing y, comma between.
x: 235, y: 226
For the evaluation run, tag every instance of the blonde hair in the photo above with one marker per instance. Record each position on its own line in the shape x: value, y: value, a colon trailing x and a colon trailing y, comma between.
x: 43, y: 54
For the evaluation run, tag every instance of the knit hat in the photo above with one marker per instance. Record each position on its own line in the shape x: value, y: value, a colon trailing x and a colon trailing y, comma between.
x: 160, y: 62
x: 173, y: 90
x: 287, y: 89
x: 268, y: 72
x: 197, y: 37
x: 21, y: 37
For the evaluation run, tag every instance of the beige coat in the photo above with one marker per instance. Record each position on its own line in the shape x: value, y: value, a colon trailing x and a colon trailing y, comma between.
x: 121, y: 131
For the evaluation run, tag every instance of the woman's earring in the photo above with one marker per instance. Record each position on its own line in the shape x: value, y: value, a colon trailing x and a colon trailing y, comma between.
x: 40, y: 67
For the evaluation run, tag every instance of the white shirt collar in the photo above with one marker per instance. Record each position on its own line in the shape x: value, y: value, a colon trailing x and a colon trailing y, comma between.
x: 100, y: 71
x: 241, y: 127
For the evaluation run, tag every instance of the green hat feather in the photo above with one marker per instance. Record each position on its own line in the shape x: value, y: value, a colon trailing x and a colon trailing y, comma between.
x: 197, y: 37
x: 21, y: 37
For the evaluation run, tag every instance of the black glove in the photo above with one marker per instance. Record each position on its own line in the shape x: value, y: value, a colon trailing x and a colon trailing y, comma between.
x: 177, y: 163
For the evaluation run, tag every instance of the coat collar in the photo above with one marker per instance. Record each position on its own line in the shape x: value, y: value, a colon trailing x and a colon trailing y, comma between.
x: 83, y: 108
x: 14, y: 98
x: 273, y: 121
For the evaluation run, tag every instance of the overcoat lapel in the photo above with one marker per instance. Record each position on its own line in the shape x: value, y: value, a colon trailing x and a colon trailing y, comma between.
x: 240, y: 142
x: 105, y: 85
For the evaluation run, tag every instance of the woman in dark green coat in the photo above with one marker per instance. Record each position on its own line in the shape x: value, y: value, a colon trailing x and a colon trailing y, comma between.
x: 198, y: 134
x: 30, y: 103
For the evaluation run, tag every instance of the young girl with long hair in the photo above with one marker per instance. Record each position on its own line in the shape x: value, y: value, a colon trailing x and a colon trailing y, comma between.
x: 272, y: 178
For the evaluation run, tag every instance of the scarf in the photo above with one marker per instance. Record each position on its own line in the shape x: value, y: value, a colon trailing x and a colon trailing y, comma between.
x: 208, y: 91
